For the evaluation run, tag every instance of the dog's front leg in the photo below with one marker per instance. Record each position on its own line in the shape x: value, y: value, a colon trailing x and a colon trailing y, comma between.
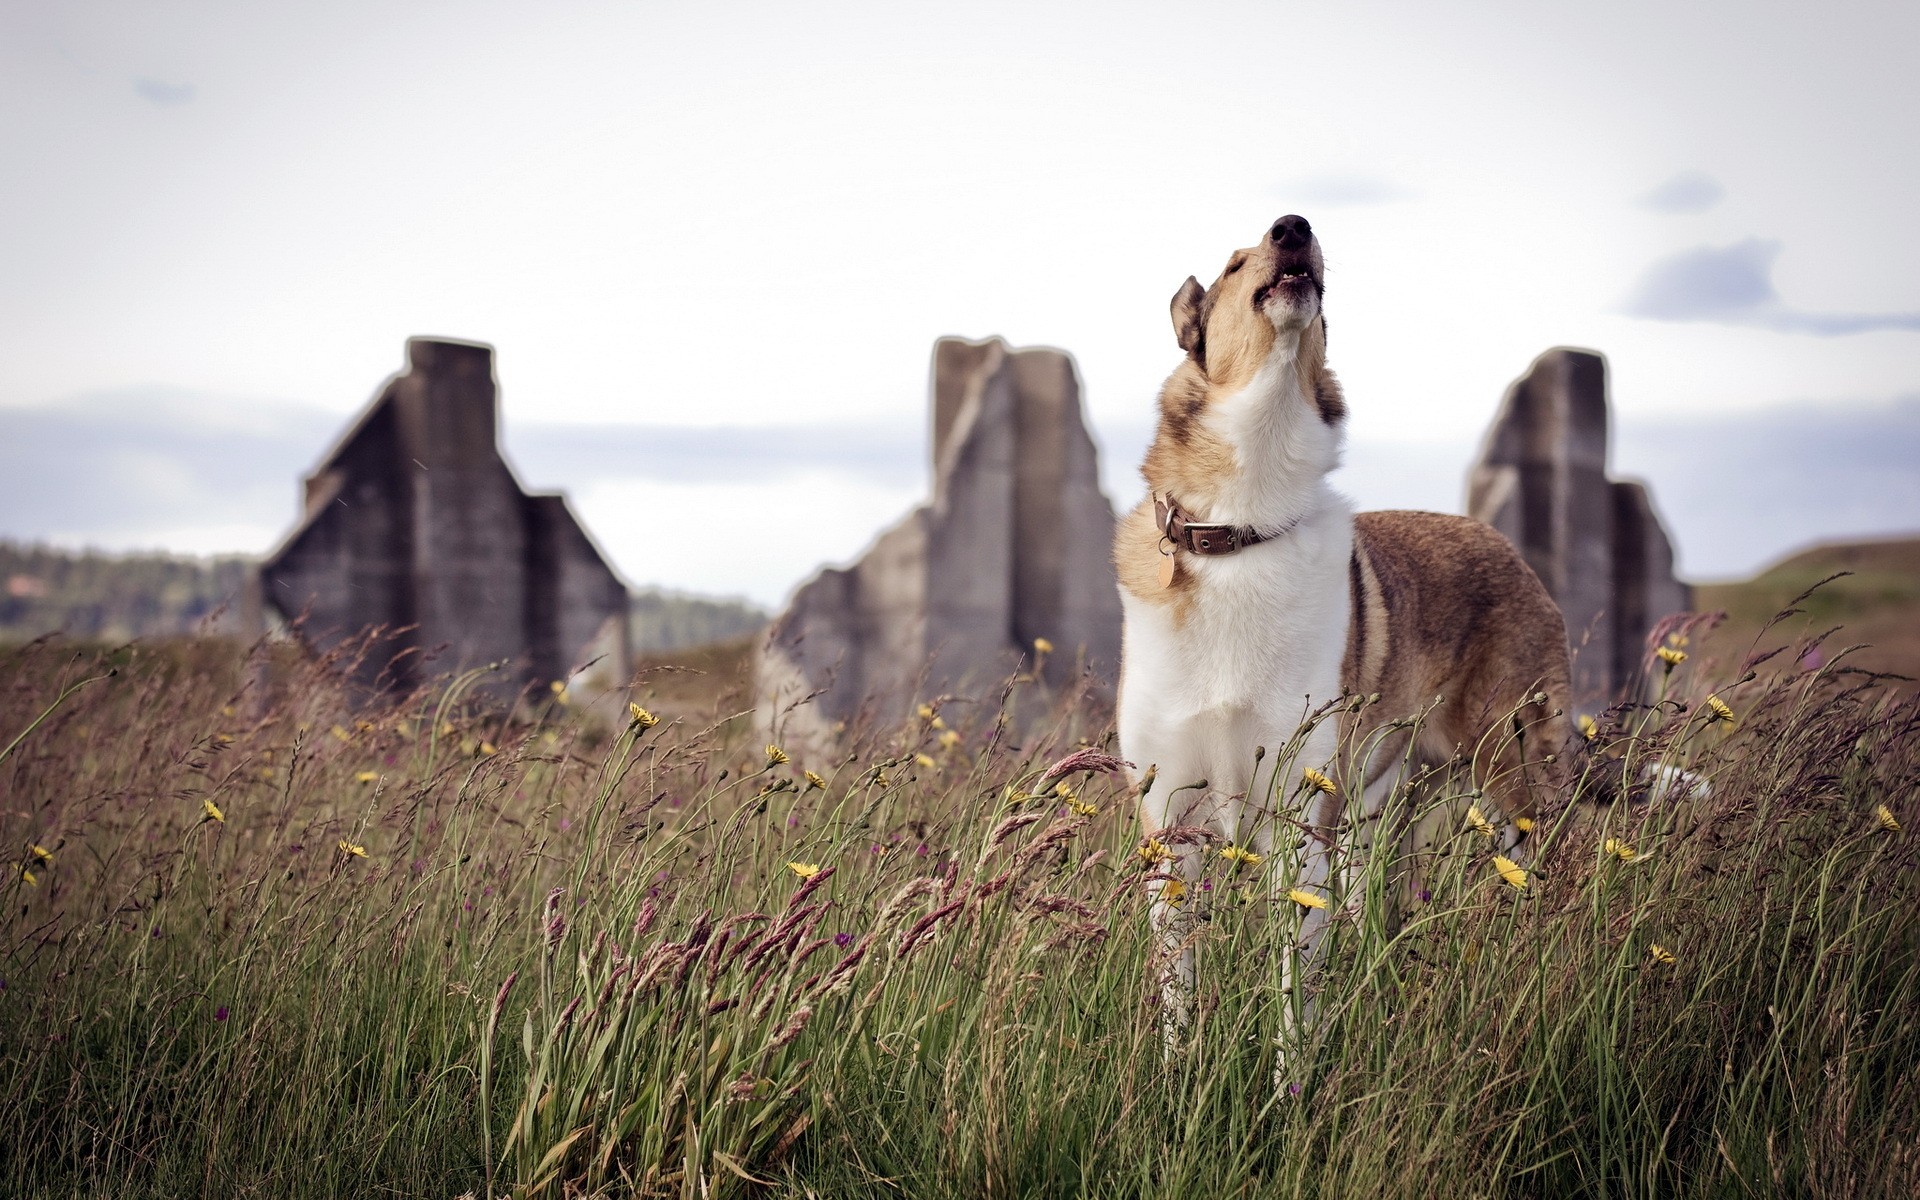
x: 1180, y: 814
x: 1175, y: 919
x: 1320, y: 877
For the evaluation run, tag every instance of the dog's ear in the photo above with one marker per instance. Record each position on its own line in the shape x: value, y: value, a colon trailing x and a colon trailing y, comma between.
x: 1187, y: 327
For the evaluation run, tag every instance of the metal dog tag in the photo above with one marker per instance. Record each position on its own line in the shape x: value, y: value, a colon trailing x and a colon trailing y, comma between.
x: 1166, y: 570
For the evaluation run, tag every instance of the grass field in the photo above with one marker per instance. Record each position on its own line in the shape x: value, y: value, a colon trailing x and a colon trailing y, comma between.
x: 266, y: 944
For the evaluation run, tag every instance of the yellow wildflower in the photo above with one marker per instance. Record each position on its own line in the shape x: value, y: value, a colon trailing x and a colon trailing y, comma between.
x: 926, y: 712
x: 937, y: 723
x: 641, y: 717
x: 1152, y: 852
x: 1082, y: 808
x: 925, y: 760
x: 446, y: 729
x: 1620, y: 850
x: 347, y: 847
x: 223, y: 739
x: 1173, y: 892
x: 1239, y: 854
x: 1886, y: 819
x: 814, y: 780
x: 364, y: 726
x: 1042, y: 646
x: 42, y: 853
x: 559, y: 689
x: 366, y: 777
x: 949, y: 739
x: 1719, y: 709
x: 1314, y: 778
x: 226, y: 710
x: 776, y: 756
x: 1306, y: 899
x: 804, y: 870
x: 1523, y: 824
x: 1676, y: 639
x: 489, y: 748
x: 1661, y: 954
x: 1510, y: 871
x: 1589, y: 728
x: 1671, y: 656
x: 1063, y: 789
x: 213, y: 811
x: 882, y: 779
x: 28, y: 877
x: 340, y: 732
x: 1478, y: 820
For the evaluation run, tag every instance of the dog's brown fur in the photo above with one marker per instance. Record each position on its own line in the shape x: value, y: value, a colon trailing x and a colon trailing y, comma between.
x: 1444, y: 608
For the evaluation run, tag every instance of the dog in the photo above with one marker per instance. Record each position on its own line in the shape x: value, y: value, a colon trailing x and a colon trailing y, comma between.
x: 1254, y: 598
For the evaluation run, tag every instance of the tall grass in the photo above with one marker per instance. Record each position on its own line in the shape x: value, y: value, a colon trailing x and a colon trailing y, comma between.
x: 425, y: 950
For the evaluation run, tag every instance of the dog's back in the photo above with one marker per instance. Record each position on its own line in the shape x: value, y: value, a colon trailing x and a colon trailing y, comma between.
x: 1444, y: 607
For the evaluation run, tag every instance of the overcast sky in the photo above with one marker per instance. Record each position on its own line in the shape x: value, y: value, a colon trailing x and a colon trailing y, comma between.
x: 219, y: 223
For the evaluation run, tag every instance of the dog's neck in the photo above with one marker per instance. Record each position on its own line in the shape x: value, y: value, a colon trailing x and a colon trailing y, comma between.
x: 1281, y: 445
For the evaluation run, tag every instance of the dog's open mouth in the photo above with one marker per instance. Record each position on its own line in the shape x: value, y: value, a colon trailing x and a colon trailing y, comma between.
x: 1293, y: 279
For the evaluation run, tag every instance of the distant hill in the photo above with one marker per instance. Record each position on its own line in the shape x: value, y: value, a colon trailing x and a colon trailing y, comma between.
x: 1878, y: 604
x: 116, y: 598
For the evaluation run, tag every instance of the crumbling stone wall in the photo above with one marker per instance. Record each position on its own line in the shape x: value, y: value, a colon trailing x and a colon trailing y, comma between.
x: 1014, y: 546
x: 415, y: 524
x: 1597, y: 544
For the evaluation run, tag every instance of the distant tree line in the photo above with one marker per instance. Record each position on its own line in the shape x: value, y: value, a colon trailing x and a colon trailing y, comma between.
x: 118, y: 597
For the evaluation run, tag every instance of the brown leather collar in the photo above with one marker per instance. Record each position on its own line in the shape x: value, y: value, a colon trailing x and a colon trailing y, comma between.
x: 1199, y: 537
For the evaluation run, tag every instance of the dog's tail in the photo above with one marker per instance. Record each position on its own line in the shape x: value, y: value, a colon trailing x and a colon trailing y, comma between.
x: 1604, y: 776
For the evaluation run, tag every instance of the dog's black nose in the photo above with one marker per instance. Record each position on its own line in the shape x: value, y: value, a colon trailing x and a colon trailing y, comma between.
x: 1290, y: 232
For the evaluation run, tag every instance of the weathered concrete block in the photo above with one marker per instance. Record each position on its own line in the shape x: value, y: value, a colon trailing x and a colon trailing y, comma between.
x: 415, y: 524
x: 1598, y: 545
x: 1012, y: 547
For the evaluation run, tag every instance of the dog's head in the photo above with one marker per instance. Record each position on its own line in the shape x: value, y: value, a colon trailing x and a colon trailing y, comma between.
x: 1268, y: 291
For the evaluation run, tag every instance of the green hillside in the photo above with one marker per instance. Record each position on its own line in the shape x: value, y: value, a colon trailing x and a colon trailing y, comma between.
x: 1877, y: 606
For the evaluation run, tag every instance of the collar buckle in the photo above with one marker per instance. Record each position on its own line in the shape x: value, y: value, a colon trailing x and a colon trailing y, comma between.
x: 1211, y: 538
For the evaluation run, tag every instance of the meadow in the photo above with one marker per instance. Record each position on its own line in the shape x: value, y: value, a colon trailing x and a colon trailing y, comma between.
x: 262, y: 940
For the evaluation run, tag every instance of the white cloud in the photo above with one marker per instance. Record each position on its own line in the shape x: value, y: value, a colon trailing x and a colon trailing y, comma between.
x: 1734, y: 285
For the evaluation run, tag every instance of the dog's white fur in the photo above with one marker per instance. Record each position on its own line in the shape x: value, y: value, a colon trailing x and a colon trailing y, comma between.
x: 1255, y: 654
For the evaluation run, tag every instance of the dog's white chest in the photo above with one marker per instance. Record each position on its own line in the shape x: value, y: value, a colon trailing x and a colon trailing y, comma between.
x: 1258, y: 649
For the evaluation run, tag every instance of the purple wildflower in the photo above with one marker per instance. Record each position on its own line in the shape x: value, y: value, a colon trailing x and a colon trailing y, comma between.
x: 843, y: 940
x: 1293, y: 1089
x: 220, y: 1014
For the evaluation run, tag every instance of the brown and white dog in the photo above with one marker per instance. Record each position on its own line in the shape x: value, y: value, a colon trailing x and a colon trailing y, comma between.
x: 1253, y: 595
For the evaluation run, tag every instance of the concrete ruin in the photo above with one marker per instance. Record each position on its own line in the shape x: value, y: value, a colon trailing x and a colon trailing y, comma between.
x: 414, y: 525
x: 1597, y: 543
x: 1014, y: 546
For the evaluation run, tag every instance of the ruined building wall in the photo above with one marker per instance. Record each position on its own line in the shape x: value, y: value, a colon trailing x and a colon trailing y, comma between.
x: 1597, y: 544
x: 416, y: 520
x: 1012, y: 547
